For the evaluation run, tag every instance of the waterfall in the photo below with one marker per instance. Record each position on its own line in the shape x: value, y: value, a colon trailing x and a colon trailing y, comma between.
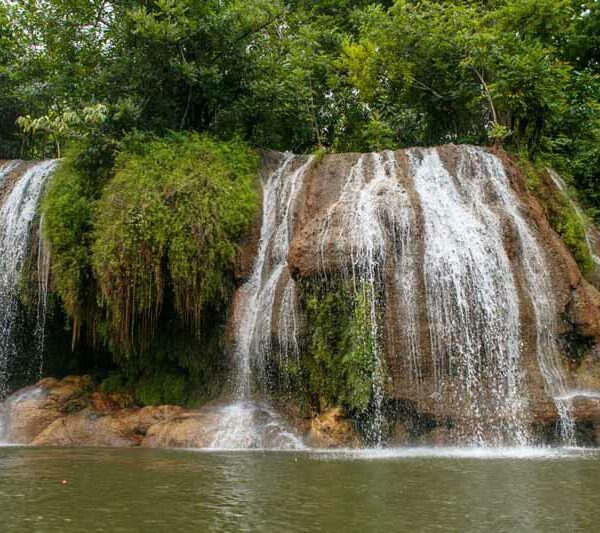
x: 446, y: 271
x: 254, y: 329
x: 16, y: 218
x: 373, y: 216
x: 472, y: 303
x: 539, y: 289
x: 473, y: 289
x: 239, y: 425
x: 43, y: 282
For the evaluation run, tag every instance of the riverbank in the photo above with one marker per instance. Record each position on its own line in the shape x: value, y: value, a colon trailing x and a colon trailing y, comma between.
x: 72, y: 412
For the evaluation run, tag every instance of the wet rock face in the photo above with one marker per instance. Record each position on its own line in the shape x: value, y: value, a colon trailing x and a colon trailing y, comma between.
x: 241, y: 425
x: 481, y: 307
x: 331, y: 429
x: 69, y: 413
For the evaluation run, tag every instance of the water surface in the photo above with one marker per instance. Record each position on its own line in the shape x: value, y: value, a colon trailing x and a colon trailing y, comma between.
x: 386, y: 490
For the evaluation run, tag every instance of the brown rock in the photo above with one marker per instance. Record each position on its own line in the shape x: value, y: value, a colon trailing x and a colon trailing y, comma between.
x: 140, y: 420
x: 586, y: 409
x: 67, y: 413
x: 30, y: 410
x: 88, y: 428
x: 186, y: 430
x: 584, y: 310
x: 102, y: 401
x: 26, y: 413
x: 332, y: 430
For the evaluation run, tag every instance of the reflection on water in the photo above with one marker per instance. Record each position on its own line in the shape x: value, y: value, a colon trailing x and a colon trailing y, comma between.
x: 394, y: 490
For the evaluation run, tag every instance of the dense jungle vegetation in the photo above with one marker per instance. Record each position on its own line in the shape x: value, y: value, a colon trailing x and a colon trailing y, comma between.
x: 155, y: 105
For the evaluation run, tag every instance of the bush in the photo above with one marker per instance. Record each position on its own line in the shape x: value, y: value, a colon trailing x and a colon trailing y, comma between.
x: 67, y: 225
x: 172, y: 214
x: 167, y: 216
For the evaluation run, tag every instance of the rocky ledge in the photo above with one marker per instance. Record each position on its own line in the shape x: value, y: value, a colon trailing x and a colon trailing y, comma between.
x: 70, y: 412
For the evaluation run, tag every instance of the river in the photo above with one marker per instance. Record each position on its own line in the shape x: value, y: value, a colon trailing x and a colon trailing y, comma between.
x: 122, y: 490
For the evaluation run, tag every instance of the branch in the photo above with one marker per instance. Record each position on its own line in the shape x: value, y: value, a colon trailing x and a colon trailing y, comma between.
x: 245, y: 35
x: 487, y: 94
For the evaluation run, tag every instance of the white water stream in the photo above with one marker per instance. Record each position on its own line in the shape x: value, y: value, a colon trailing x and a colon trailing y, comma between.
x: 17, y: 215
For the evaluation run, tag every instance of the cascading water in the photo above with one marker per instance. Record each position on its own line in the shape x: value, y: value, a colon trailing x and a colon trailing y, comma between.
x: 539, y: 289
x: 424, y: 233
x: 253, y: 333
x: 16, y: 218
x: 373, y: 216
x: 473, y: 289
x: 472, y: 303
x: 254, y: 328
x: 43, y: 279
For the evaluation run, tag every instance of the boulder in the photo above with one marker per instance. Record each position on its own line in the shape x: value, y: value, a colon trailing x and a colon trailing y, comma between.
x: 331, y: 429
x: 88, y: 428
x: 185, y: 430
x: 30, y: 410
x: 68, y: 412
x: 238, y: 425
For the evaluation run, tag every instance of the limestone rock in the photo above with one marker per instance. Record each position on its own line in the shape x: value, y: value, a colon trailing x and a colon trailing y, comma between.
x: 29, y: 411
x: 183, y: 431
x: 331, y: 429
x: 87, y: 428
x: 67, y: 413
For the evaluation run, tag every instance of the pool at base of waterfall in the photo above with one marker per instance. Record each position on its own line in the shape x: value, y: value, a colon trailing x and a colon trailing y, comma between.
x: 405, y: 489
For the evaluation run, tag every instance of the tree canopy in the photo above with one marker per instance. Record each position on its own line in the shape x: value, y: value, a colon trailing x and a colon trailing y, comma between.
x: 297, y: 75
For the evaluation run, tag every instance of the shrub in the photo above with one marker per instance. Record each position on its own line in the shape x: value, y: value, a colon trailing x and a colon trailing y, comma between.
x: 172, y: 214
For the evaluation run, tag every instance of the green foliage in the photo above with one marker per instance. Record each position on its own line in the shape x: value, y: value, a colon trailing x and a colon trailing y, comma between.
x: 571, y: 227
x: 68, y: 216
x: 341, y: 351
x: 172, y: 213
x: 342, y: 74
x: 178, y: 366
x: 144, y: 235
x: 158, y: 389
x: 107, y: 80
x: 578, y: 346
x: 168, y: 219
x: 564, y: 217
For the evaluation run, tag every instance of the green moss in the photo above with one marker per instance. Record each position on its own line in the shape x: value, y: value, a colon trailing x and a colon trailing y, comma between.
x: 572, y: 230
x: 533, y: 178
x: 341, y: 355
x: 561, y: 213
x: 166, y: 217
x: 319, y: 154
x: 173, y: 213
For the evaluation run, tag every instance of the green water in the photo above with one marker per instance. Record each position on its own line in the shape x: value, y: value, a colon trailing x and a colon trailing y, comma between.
x: 149, y: 490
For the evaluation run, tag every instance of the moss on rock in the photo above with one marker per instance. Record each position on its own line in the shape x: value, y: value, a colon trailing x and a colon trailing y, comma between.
x: 341, y: 354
